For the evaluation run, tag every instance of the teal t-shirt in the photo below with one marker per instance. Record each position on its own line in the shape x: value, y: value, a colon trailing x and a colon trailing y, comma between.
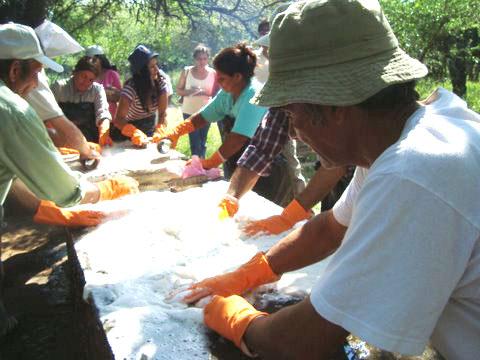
x: 247, y: 116
x: 27, y: 152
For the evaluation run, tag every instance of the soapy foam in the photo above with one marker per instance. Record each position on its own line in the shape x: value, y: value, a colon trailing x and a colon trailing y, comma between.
x: 156, y: 242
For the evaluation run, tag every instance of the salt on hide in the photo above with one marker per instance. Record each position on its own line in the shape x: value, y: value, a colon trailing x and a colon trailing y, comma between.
x: 162, y: 241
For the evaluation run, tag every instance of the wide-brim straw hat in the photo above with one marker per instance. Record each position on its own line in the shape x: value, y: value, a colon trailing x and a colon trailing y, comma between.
x: 333, y: 52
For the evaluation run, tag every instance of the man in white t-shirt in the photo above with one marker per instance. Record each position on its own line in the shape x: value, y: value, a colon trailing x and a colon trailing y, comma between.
x: 406, y: 233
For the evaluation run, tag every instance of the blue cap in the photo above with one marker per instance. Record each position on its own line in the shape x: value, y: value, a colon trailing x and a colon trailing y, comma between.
x: 140, y: 58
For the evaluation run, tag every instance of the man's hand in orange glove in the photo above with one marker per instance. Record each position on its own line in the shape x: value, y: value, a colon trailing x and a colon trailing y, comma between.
x: 51, y: 214
x: 116, y: 187
x: 213, y: 161
x: 137, y: 136
x: 230, y: 317
x: 277, y: 224
x: 174, y: 134
x: 104, y: 138
x: 254, y: 273
x: 228, y: 207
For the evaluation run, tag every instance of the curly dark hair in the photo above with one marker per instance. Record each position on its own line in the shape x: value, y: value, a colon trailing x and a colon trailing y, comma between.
x: 236, y: 59
x: 146, y: 90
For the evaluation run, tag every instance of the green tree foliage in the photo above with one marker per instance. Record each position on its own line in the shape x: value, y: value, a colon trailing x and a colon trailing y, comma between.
x: 441, y: 33
x: 171, y: 27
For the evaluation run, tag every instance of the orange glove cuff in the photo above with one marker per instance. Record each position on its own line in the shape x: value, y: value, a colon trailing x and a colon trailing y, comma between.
x: 185, y: 127
x: 230, y: 316
x: 137, y: 136
x: 213, y: 161
x: 51, y: 214
x: 294, y: 212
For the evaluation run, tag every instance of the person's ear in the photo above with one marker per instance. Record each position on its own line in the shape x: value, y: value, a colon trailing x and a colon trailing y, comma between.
x: 15, y: 71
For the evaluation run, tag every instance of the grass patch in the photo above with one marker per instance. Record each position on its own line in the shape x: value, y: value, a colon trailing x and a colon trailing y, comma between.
x: 174, y: 117
x: 426, y: 86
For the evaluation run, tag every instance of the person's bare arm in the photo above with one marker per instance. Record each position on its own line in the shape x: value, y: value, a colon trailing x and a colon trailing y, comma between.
x: 313, y: 242
x: 66, y: 134
x: 122, y: 111
x: 294, y: 332
x: 27, y: 202
x: 242, y: 181
x: 232, y: 144
x: 321, y: 183
x: 162, y: 109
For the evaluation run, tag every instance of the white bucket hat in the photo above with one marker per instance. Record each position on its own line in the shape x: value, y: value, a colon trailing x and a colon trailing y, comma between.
x: 55, y: 40
x: 20, y: 42
x: 333, y: 52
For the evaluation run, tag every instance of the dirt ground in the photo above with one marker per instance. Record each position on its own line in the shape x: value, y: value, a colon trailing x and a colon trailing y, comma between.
x: 36, y: 292
x: 54, y: 325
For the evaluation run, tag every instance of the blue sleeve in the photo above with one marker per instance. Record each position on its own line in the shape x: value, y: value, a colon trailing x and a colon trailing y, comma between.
x: 217, y: 108
x: 248, y: 118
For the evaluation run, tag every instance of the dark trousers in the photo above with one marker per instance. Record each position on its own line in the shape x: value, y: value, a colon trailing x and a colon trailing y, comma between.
x: 198, y: 139
x: 276, y: 187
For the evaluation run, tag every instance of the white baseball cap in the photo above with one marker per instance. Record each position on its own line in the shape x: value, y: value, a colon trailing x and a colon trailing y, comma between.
x: 55, y: 40
x: 94, y: 50
x: 20, y: 42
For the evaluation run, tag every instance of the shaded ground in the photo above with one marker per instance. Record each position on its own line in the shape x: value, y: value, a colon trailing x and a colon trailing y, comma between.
x: 36, y: 291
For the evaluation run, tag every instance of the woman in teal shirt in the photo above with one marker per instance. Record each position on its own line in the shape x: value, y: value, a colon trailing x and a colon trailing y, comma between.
x: 235, y: 67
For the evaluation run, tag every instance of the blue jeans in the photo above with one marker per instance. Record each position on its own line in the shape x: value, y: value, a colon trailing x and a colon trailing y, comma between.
x: 198, y: 139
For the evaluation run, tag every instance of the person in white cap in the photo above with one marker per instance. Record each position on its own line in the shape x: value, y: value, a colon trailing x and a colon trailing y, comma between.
x: 28, y: 153
x: 406, y: 232
x: 56, y: 42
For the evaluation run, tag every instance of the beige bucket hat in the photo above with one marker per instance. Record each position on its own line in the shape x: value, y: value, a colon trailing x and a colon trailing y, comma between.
x: 333, y: 52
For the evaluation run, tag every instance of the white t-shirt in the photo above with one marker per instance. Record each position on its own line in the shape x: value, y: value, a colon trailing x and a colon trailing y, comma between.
x: 408, y: 269
x: 42, y: 100
x: 262, y: 68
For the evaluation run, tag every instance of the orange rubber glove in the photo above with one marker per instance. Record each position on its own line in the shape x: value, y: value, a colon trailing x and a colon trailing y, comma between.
x: 230, y: 317
x: 116, y: 187
x: 254, y: 273
x: 104, y: 138
x: 68, y: 151
x: 213, y: 161
x: 228, y: 207
x: 277, y: 224
x: 51, y: 214
x: 183, y: 128
x: 137, y: 136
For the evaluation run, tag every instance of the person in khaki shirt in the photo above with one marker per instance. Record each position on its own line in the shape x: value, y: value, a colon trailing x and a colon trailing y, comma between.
x: 28, y: 153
